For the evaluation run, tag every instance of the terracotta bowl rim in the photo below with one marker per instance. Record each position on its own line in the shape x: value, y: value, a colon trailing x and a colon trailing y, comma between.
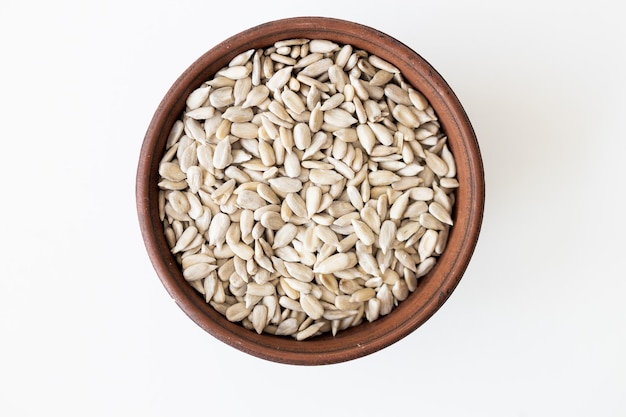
x: 433, y: 289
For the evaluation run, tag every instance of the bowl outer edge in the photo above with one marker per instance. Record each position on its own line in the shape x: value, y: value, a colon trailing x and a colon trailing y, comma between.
x: 324, y: 350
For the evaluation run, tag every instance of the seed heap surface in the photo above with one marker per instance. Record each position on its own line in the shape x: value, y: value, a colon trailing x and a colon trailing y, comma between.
x: 306, y: 188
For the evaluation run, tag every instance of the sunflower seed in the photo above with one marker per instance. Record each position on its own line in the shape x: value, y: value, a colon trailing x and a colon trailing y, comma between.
x: 313, y: 200
x: 382, y: 133
x: 309, y: 331
x: 427, y: 244
x: 317, y: 142
x: 222, y: 156
x: 259, y: 318
x: 396, y: 94
x: 217, y: 229
x: 355, y: 197
x: 309, y: 59
x: 417, y: 99
x: 371, y: 218
x: 429, y: 221
x: 382, y: 177
x: 302, y: 136
x: 222, y: 97
x: 442, y: 241
x: 171, y: 171
x: 342, y: 302
x: 421, y: 193
x: 425, y: 267
x: 381, y: 78
x: 317, y: 68
x: 292, y: 101
x: 406, y: 116
x: 271, y: 220
x: 287, y: 327
x: 285, y: 185
x: 322, y: 46
x: 256, y: 96
x: 387, y: 235
x: 237, y: 312
x: 364, y: 233
x: 234, y: 72
x: 197, y: 97
x: 299, y: 271
x: 284, y: 235
x: 326, y: 235
x: 250, y: 200
x: 324, y: 177
x: 397, y: 209
x: 382, y: 64
x: 362, y: 295
x: 407, y: 230
x: 440, y: 213
x: 436, y: 163
x: 449, y: 182
x: 339, y: 118
x: 311, y: 306
x: 296, y: 204
x: 238, y: 114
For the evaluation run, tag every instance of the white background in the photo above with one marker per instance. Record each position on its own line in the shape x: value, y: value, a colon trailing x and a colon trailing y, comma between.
x: 537, y: 326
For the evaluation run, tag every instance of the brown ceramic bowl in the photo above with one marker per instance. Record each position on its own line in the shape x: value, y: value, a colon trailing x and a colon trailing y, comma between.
x: 433, y: 289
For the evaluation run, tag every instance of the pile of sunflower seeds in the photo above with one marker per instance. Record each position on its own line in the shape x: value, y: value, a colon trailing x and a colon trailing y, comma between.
x: 306, y: 188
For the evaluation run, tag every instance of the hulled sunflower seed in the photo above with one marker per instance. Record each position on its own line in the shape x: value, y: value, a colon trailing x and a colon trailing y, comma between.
x: 259, y: 318
x: 222, y: 156
x: 237, y: 312
x: 387, y: 235
x: 440, y: 213
x: 309, y: 331
x: 436, y: 163
x: 335, y: 263
x: 427, y: 244
x: 339, y: 118
x: 198, y: 97
x: 324, y: 176
x: 285, y: 185
x: 299, y: 271
x: 311, y: 306
x: 364, y: 233
x: 292, y: 101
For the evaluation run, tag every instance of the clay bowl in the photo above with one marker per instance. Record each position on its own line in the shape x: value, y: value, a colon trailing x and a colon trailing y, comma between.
x: 433, y: 290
